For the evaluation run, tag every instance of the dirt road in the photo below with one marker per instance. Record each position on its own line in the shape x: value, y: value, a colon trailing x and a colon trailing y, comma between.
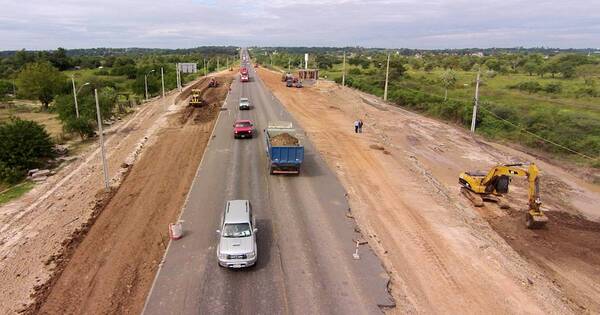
x: 111, y: 270
x: 445, y: 256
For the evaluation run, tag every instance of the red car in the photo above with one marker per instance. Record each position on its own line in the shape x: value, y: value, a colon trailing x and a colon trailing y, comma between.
x: 243, y: 129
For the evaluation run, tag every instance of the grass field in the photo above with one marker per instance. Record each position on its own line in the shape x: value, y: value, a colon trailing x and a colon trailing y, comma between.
x: 8, y: 194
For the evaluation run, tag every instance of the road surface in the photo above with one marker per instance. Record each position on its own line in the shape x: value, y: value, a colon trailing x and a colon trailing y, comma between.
x: 305, y: 238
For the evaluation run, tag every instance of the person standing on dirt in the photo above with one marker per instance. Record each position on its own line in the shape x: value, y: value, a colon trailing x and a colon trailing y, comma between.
x: 360, y: 125
x: 356, y: 126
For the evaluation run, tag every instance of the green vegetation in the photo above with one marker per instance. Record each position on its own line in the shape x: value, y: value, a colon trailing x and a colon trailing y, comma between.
x: 15, y: 191
x: 544, y: 99
x: 44, y: 99
x: 24, y: 145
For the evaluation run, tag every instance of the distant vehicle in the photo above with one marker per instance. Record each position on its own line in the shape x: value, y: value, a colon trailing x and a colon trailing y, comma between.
x: 243, y: 129
x: 299, y: 84
x: 244, y: 78
x: 213, y: 82
x: 244, y: 103
x: 289, y: 83
x: 195, y: 98
x: 284, y: 150
x: 244, y: 70
x: 286, y: 76
x: 237, y: 235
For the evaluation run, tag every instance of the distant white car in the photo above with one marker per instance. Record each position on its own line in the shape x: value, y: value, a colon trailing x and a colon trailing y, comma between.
x: 244, y: 103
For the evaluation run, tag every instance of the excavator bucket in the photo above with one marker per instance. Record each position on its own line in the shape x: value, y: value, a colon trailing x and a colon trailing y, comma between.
x: 535, y: 220
x: 473, y: 197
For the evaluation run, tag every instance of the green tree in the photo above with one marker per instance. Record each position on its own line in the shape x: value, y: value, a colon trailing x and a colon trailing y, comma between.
x: 86, y: 124
x: 397, y: 68
x: 448, y: 80
x: 42, y: 81
x: 530, y: 67
x: 429, y: 66
x: 416, y: 63
x: 60, y: 60
x: 24, y: 145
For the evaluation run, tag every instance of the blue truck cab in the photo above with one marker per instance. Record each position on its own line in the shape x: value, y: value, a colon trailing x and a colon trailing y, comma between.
x: 287, y: 157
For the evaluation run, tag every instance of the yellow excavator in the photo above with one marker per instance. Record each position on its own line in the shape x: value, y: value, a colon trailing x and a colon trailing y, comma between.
x: 479, y: 186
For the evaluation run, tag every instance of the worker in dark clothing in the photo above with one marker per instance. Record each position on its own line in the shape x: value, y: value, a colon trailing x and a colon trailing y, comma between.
x: 360, y: 125
x: 356, y: 126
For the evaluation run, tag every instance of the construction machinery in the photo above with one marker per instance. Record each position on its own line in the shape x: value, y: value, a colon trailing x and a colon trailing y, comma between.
x: 196, y: 99
x: 213, y: 83
x: 480, y: 186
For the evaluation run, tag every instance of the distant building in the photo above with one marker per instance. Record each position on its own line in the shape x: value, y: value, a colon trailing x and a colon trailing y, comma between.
x: 477, y: 54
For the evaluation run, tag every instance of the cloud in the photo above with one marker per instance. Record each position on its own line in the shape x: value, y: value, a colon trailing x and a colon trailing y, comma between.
x: 36, y: 24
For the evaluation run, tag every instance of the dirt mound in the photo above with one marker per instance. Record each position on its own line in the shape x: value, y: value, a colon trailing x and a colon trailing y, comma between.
x: 568, y: 248
x: 284, y: 139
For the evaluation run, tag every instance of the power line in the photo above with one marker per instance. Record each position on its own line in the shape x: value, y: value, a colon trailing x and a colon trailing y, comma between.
x: 514, y: 125
x: 535, y: 135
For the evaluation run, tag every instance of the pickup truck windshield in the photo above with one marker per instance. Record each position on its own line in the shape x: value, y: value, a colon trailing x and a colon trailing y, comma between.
x: 243, y: 125
x: 236, y: 230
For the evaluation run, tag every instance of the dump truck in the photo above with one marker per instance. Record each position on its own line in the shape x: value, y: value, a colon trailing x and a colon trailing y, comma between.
x: 195, y: 98
x: 285, y: 153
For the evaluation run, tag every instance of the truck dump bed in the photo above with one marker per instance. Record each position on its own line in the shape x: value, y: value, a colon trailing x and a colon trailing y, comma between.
x: 284, y: 150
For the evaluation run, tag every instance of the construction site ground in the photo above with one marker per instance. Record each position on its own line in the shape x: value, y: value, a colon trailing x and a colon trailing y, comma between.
x: 444, y: 255
x: 69, y: 247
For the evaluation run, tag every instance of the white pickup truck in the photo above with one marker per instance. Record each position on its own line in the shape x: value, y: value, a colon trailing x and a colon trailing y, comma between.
x: 244, y: 103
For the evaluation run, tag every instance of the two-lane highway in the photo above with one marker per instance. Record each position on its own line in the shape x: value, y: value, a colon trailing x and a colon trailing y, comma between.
x: 305, y: 240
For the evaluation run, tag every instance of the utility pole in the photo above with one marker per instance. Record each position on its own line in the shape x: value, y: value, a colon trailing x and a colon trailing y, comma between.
x: 205, y: 69
x: 14, y: 89
x: 75, y: 96
x: 271, y: 56
x: 289, y: 63
x: 177, y: 74
x: 102, y: 151
x: 344, y: 70
x: 227, y: 63
x: 387, y: 75
x: 162, y: 79
x: 474, y: 118
x: 217, y: 64
x: 75, y: 92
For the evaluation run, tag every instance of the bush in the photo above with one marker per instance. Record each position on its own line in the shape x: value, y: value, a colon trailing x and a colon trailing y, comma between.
x: 23, y: 145
x: 529, y: 86
x: 354, y: 71
x: 554, y: 88
x: 587, y: 91
x: 101, y: 72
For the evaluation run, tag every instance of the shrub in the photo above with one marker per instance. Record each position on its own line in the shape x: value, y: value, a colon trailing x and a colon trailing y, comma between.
x: 529, y: 86
x: 23, y: 145
x: 554, y: 88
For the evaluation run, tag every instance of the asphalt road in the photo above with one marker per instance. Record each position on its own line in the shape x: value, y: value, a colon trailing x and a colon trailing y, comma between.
x: 305, y: 241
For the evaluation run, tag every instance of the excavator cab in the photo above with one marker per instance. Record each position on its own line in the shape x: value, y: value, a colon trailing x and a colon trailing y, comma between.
x: 480, y: 186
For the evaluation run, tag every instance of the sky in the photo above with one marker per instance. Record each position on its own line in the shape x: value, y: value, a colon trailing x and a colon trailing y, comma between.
x: 426, y: 24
